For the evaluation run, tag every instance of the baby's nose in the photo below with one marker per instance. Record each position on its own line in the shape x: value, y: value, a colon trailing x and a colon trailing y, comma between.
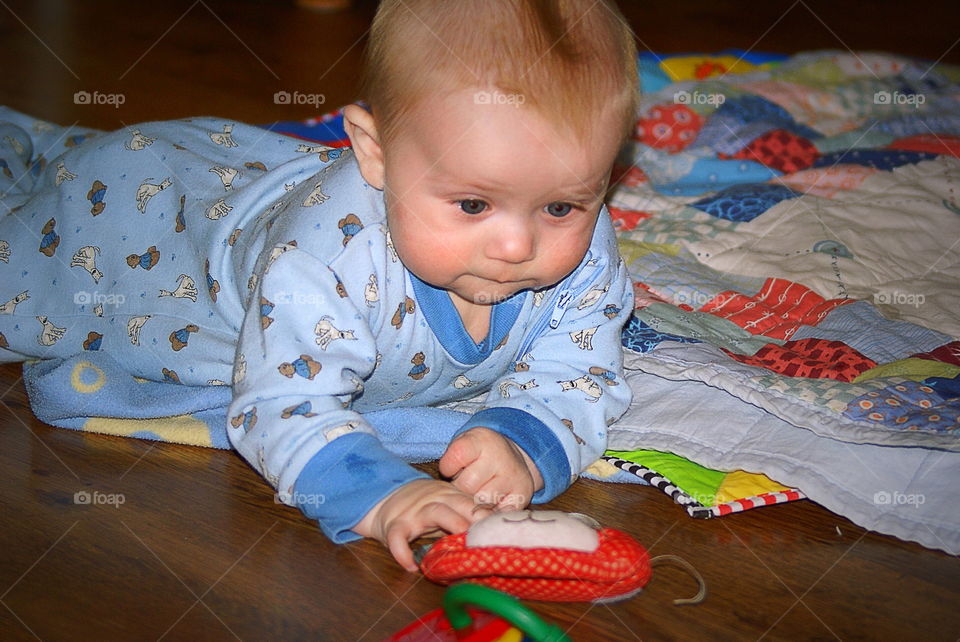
x: 513, y: 242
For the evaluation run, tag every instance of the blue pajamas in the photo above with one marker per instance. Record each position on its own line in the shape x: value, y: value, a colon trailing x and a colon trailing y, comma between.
x: 209, y: 252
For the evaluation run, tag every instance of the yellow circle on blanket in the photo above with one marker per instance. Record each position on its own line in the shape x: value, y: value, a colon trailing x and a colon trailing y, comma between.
x: 77, y: 377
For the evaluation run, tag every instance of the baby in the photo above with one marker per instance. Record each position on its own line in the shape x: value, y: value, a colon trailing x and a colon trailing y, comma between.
x: 459, y: 246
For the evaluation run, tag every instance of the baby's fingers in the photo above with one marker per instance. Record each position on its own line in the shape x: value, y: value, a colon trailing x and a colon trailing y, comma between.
x: 427, y: 519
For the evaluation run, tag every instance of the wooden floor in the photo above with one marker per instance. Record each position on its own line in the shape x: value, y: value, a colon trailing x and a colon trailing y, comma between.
x: 199, y: 550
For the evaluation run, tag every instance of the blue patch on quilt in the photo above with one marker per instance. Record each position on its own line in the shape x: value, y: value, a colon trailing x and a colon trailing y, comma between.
x: 744, y: 202
x: 756, y: 109
x: 882, y: 159
x: 885, y: 341
x: 907, y: 406
x: 640, y: 337
x: 913, y: 124
x: 946, y: 388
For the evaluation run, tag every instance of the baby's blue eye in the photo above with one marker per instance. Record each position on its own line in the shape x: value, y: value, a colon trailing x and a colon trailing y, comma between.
x: 472, y: 205
x: 559, y: 209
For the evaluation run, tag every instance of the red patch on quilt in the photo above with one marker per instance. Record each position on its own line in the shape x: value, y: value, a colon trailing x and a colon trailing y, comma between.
x: 937, y: 144
x: 669, y: 127
x: 776, y: 311
x: 625, y: 220
x: 781, y: 150
x: 811, y: 359
x: 947, y: 353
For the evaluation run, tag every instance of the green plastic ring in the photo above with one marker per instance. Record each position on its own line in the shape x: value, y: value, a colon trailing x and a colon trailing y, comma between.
x: 509, y: 608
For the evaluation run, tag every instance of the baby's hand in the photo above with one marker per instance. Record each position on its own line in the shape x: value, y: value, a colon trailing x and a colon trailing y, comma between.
x: 492, y: 468
x: 418, y: 508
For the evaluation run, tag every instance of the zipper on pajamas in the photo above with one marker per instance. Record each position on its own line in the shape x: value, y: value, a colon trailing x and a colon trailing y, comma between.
x: 559, y: 307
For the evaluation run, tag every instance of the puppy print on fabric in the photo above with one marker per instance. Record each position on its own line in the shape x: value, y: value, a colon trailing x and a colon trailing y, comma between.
x: 305, y: 367
x: 50, y: 239
x: 234, y: 236
x: 257, y: 165
x: 93, y: 341
x: 227, y: 176
x: 138, y: 142
x: 98, y: 310
x: 407, y: 307
x: 584, y: 338
x: 327, y: 333
x: 218, y: 210
x: 50, y: 333
x: 324, y: 153
x: 63, y: 174
x: 180, y: 338
x: 569, y: 425
x: 86, y: 258
x: 419, y: 370
x: 611, y: 310
x: 134, y: 325
x: 247, y: 420
x: 146, y: 260
x: 461, y: 382
x: 608, y: 376
x: 584, y: 384
x: 505, y: 386
x: 225, y: 137
x: 10, y: 306
x: 591, y: 297
x: 350, y: 225
x: 180, y: 222
x: 4, y: 252
x: 146, y: 191
x: 316, y: 196
x: 303, y: 409
x: 371, y: 293
x: 170, y: 376
x: 186, y: 289
x: 213, y: 286
x: 3, y: 341
x: 97, y: 191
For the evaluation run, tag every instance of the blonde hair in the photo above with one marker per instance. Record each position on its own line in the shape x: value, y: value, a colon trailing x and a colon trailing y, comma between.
x: 570, y: 60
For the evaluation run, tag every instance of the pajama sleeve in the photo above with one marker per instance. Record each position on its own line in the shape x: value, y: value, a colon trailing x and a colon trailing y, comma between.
x: 568, y: 385
x: 305, y: 349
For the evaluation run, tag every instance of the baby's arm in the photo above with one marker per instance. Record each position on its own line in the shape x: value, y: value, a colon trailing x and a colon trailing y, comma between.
x: 568, y: 385
x: 290, y: 416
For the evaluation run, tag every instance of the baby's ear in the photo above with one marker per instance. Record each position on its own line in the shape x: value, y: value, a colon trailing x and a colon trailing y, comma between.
x: 365, y: 140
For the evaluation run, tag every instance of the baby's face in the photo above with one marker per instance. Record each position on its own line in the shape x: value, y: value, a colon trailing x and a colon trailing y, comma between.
x: 485, y: 200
